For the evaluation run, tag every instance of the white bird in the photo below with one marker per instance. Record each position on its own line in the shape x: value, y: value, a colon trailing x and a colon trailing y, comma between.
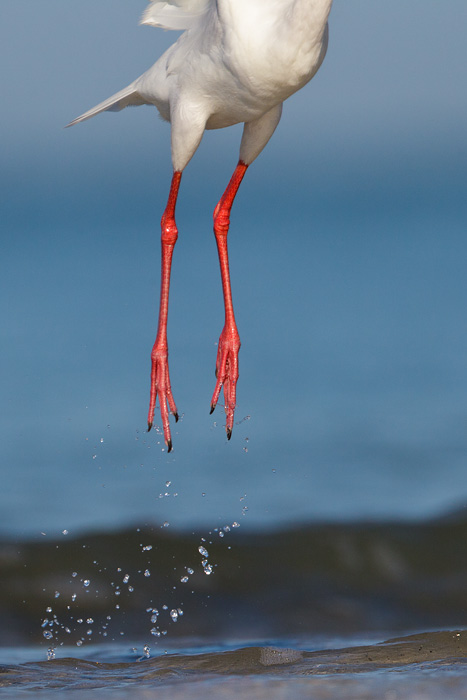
x: 236, y: 62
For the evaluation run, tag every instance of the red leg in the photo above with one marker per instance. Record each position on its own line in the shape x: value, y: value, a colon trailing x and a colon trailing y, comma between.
x: 229, y: 341
x: 160, y: 380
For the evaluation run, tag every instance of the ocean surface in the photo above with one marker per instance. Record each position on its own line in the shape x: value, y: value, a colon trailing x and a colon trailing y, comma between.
x: 313, y: 612
x: 428, y: 666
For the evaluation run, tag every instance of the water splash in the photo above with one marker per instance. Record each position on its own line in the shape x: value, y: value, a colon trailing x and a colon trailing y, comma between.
x: 82, y: 617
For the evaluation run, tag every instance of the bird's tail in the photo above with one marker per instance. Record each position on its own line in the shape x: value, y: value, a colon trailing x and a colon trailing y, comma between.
x: 127, y: 97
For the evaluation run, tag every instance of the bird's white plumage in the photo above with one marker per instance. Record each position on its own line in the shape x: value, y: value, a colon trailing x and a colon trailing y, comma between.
x: 175, y: 14
x: 237, y: 61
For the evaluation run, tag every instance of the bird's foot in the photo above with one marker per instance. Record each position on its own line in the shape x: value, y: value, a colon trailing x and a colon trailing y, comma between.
x: 227, y: 374
x: 160, y: 387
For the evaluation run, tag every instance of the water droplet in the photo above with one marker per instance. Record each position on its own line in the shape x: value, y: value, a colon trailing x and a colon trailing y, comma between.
x: 130, y: 589
x: 56, y: 594
x: 94, y: 456
x: 147, y: 548
x: 49, y: 609
x: 74, y: 574
x: 102, y: 440
x: 64, y: 532
x: 50, y: 654
x: 73, y: 597
x: 174, y: 615
x: 86, y: 582
x: 190, y: 571
x: 90, y: 621
x: 167, y: 484
x: 126, y: 578
x: 166, y: 524
x: 208, y: 569
x: 146, y: 651
x: 47, y: 634
x: 184, y: 579
x: 235, y: 524
x: 147, y: 573
x: 155, y: 632
x: 203, y: 551
x: 79, y: 643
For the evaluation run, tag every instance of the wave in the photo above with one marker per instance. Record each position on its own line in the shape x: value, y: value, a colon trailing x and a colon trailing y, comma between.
x: 147, y: 583
x: 257, y: 671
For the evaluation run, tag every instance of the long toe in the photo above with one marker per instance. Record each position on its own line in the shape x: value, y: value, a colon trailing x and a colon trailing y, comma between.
x: 160, y: 389
x: 227, y: 374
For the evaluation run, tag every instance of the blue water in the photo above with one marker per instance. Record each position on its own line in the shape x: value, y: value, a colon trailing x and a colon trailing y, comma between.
x: 352, y: 395
x: 434, y: 668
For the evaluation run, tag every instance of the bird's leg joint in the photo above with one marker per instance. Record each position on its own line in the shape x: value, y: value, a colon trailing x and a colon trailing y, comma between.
x: 169, y: 231
x: 159, y: 351
x: 221, y: 222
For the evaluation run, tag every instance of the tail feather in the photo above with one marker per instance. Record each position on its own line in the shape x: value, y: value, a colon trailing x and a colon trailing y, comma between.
x: 127, y: 97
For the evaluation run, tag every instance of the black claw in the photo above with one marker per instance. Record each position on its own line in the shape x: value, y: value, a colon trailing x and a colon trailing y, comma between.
x: 169, y: 446
x: 212, y: 409
x: 229, y: 433
x: 149, y: 426
x: 175, y: 415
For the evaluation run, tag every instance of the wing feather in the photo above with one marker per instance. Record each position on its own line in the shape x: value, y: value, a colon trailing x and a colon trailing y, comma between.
x: 175, y: 14
x: 127, y: 97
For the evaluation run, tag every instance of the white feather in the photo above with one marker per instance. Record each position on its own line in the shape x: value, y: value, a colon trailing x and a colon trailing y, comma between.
x: 127, y: 97
x: 175, y: 14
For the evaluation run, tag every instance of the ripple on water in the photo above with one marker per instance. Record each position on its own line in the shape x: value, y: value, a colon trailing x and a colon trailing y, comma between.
x: 429, y: 665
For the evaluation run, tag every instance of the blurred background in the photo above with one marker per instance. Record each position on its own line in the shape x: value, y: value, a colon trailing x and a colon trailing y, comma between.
x: 348, y: 257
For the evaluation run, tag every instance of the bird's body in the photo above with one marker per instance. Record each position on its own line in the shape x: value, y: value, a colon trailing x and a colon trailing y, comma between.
x: 223, y: 64
x: 237, y: 62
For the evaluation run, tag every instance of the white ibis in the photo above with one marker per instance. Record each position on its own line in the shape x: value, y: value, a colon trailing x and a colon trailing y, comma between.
x: 236, y: 62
